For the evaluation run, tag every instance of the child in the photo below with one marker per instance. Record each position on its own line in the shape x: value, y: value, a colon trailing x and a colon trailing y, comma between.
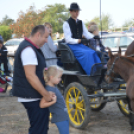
x: 57, y: 107
x: 99, y: 46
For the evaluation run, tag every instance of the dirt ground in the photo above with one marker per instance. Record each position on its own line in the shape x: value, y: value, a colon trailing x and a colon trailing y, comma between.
x: 13, y: 120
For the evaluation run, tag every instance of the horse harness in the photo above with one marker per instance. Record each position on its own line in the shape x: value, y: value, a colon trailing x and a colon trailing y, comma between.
x: 111, y: 70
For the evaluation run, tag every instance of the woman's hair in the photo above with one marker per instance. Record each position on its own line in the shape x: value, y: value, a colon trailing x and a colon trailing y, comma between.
x: 93, y: 28
x: 48, y: 24
x: 53, y: 70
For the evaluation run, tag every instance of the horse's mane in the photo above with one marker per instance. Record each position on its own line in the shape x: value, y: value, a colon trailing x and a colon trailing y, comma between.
x: 130, y: 49
x: 128, y: 59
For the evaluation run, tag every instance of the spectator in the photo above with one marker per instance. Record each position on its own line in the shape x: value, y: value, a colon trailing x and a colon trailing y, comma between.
x: 3, y: 57
x: 28, y: 82
x: 57, y: 35
x: 1, y: 38
x: 49, y: 49
x: 98, y: 44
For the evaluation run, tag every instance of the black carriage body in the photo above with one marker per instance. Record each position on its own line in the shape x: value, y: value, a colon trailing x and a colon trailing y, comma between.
x: 75, y: 73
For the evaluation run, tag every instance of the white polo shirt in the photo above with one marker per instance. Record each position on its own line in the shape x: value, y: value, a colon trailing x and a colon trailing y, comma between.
x: 28, y: 57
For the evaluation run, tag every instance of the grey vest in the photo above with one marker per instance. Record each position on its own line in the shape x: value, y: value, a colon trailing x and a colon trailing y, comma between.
x: 21, y: 86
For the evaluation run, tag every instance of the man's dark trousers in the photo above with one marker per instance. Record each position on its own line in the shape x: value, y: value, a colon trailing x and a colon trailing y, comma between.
x: 38, y: 117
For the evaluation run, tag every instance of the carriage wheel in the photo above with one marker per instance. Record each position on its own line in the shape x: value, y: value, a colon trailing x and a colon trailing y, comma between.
x: 123, y: 105
x: 61, y: 85
x: 98, y: 106
x: 77, y: 104
x: 50, y: 116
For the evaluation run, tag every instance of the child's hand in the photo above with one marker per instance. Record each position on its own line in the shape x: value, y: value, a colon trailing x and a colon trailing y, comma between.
x: 51, y: 94
x: 54, y: 98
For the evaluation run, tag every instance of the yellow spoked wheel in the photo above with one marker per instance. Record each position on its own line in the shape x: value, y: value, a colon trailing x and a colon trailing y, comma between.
x: 61, y: 85
x: 97, y: 106
x: 50, y: 116
x: 123, y: 105
x: 77, y: 103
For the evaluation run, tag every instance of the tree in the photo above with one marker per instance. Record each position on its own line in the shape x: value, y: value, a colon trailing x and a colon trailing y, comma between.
x: 6, y: 21
x: 6, y: 32
x: 32, y: 17
x: 106, y: 21
x: 53, y: 14
x: 26, y: 22
x: 128, y: 23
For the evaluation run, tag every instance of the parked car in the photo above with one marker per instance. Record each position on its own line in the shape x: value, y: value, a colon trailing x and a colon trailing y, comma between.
x: 12, y: 45
x: 102, y: 33
x: 116, y: 40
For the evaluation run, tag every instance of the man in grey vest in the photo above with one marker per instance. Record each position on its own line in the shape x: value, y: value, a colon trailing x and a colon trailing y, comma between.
x: 28, y: 82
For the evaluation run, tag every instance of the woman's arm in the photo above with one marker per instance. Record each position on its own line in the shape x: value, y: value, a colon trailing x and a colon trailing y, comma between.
x: 68, y: 34
x: 44, y: 104
x: 51, y: 44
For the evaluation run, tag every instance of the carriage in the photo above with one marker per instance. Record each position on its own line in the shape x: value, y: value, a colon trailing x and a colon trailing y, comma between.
x: 84, y: 92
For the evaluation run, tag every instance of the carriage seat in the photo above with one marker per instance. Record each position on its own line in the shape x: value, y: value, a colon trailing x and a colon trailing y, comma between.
x: 68, y: 59
x: 67, y: 55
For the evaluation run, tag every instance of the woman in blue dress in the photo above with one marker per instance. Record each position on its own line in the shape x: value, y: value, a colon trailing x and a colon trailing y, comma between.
x: 74, y: 29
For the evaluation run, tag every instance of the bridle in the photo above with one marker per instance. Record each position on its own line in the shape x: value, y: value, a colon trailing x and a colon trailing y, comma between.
x: 111, y: 70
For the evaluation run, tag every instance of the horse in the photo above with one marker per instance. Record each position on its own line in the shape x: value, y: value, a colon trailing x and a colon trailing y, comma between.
x: 130, y: 49
x: 124, y: 66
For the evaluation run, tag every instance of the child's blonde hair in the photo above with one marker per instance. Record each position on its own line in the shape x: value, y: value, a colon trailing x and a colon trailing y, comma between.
x: 91, y: 23
x: 93, y: 28
x: 51, y: 71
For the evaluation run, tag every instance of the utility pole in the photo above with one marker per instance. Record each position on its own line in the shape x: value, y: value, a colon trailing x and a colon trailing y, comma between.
x: 100, y: 19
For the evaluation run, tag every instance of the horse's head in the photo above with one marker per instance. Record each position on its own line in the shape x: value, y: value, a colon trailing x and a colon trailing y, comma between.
x: 111, y: 69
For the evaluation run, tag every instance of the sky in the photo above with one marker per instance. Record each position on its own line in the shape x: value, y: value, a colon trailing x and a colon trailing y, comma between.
x: 120, y: 10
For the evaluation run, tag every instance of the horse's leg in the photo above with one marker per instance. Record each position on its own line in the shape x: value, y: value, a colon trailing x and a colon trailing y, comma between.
x: 132, y: 114
x: 131, y: 108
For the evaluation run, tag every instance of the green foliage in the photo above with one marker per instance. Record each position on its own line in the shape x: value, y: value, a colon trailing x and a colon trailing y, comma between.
x: 6, y: 32
x: 128, y: 23
x: 53, y: 14
x: 29, y: 19
x: 106, y: 21
x: 6, y: 21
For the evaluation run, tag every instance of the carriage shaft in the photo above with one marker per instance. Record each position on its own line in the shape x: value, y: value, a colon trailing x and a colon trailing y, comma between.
x: 108, y: 100
x: 110, y: 94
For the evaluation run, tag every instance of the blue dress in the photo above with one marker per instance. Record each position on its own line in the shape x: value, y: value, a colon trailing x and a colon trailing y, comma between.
x: 85, y: 56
